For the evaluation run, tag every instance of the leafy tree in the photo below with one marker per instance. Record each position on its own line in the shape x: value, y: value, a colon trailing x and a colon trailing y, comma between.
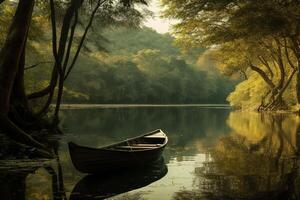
x: 264, y: 37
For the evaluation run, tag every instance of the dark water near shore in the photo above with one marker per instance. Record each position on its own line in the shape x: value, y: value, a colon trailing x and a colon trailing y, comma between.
x: 213, y: 153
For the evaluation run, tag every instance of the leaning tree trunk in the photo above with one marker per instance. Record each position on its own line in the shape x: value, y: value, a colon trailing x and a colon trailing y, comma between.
x: 19, y: 107
x: 10, y: 58
x: 11, y: 52
x: 65, y: 45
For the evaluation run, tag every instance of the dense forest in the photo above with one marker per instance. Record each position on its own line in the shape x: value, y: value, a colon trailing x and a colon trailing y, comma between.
x: 127, y: 64
x: 142, y: 66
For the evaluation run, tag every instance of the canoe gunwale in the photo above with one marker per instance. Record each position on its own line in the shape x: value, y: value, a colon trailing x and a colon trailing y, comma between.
x: 109, y: 147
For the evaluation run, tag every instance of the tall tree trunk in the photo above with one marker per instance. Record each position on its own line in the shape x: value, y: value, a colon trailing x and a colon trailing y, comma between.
x: 60, y: 57
x: 12, y: 52
x: 10, y: 57
x: 50, y: 90
x: 18, y: 93
x: 19, y: 107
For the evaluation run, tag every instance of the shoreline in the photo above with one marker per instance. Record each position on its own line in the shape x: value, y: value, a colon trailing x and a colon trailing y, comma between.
x: 78, y: 106
x: 87, y: 106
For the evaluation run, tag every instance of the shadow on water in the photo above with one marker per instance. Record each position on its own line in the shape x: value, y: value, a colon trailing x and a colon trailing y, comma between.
x: 117, y: 182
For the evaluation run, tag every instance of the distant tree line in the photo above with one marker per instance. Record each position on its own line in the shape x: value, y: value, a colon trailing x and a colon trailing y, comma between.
x: 142, y: 66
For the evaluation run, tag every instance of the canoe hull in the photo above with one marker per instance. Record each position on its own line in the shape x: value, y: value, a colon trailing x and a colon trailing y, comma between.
x: 104, y: 160
x: 93, y: 161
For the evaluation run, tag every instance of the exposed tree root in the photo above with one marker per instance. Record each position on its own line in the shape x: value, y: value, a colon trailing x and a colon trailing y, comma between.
x: 17, y: 134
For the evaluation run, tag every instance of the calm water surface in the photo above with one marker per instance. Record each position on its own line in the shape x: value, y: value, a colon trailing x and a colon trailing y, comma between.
x: 213, y: 153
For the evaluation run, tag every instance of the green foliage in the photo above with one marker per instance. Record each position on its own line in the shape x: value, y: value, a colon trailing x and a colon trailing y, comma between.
x: 6, y: 13
x: 120, y: 64
x: 245, y: 37
x: 208, y: 22
x: 248, y: 94
x: 143, y: 67
x: 126, y: 41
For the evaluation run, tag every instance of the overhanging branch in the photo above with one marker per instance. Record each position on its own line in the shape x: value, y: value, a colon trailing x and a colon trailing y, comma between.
x: 83, y: 38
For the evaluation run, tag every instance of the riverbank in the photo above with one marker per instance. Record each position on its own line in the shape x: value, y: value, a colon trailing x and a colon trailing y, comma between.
x: 90, y: 106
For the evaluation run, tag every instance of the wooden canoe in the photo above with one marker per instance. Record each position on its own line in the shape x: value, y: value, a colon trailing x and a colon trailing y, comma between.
x: 131, y: 153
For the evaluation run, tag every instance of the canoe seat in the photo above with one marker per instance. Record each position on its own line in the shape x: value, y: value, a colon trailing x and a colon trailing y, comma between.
x: 137, y: 147
x: 146, y: 145
x: 158, y: 137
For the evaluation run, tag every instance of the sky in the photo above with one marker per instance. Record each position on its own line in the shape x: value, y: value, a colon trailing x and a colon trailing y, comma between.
x: 156, y: 22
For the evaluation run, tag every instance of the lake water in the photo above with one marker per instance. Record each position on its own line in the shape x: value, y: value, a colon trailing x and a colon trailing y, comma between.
x: 213, y: 153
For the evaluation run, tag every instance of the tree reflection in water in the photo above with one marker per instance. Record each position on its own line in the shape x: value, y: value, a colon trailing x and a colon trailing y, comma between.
x: 33, y: 179
x: 248, y: 155
x: 29, y: 179
x: 258, y: 160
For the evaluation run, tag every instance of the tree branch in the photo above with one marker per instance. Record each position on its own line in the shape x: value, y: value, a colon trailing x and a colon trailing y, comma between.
x: 280, y: 64
x: 54, y: 36
x: 58, y: 53
x: 21, y: 136
x: 83, y: 38
x: 282, y: 90
x: 70, y: 42
x: 263, y: 75
x: 287, y: 55
x: 35, y: 65
x: 266, y: 64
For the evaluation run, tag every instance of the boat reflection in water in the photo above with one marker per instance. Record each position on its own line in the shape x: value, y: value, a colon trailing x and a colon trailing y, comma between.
x: 117, y: 182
